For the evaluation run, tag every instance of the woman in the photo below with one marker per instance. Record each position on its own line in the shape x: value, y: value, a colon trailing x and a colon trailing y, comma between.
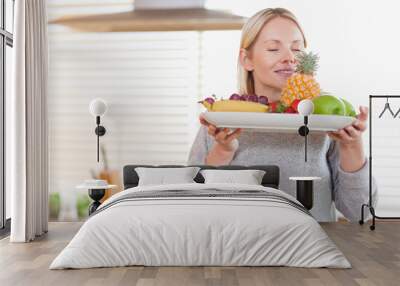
x: 270, y: 40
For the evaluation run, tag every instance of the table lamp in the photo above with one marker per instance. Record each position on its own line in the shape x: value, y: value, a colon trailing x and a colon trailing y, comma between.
x: 97, y: 108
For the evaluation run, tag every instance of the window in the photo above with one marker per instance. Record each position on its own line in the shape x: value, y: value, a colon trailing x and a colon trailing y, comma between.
x: 6, y: 43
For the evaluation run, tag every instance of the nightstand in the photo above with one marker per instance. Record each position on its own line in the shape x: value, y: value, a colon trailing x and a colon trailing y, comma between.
x: 96, y: 190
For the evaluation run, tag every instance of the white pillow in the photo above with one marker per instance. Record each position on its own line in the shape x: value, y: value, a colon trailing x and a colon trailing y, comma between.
x: 249, y: 177
x: 162, y: 176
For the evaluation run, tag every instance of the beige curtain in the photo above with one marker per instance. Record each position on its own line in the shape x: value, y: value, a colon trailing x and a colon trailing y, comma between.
x: 28, y: 148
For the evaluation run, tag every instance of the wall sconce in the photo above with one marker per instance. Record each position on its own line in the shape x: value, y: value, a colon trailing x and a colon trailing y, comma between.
x: 304, y: 185
x: 97, y: 108
x: 305, y: 108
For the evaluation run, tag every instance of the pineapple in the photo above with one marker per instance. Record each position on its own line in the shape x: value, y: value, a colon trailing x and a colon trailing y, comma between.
x: 302, y: 84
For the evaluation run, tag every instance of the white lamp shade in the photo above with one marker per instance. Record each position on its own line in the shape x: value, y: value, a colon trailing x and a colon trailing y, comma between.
x: 305, y: 107
x: 97, y: 107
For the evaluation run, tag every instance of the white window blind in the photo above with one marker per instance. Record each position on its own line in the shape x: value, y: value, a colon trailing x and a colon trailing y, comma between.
x: 151, y: 82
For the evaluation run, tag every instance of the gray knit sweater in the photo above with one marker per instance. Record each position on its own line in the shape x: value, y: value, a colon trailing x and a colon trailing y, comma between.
x: 337, y: 188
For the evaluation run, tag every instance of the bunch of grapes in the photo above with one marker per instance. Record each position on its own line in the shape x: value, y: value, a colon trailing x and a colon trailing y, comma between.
x: 210, y: 100
x: 244, y: 97
x: 250, y: 97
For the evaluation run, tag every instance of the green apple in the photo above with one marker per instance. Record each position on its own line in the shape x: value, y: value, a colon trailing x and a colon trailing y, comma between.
x: 349, y: 108
x: 329, y: 105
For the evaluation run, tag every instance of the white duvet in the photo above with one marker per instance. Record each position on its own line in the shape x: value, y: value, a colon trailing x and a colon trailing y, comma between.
x: 200, y: 231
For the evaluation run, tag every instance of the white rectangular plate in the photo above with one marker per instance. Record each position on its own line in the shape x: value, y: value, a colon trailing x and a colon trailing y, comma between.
x: 277, y: 122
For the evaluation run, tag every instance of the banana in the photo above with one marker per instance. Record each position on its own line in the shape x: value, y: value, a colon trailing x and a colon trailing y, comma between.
x: 235, y: 106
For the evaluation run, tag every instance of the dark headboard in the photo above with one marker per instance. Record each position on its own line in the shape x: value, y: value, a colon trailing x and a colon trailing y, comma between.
x: 270, y: 179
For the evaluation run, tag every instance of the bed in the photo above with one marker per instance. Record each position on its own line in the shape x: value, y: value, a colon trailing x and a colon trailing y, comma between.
x: 199, y: 224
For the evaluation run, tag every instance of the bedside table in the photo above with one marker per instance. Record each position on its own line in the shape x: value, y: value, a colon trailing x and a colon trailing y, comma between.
x: 96, y: 190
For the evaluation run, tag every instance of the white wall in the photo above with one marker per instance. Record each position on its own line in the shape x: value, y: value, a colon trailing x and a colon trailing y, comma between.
x: 357, y: 41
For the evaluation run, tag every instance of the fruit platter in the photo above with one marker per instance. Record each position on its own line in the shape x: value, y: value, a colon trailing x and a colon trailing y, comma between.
x: 252, y: 111
x: 276, y: 122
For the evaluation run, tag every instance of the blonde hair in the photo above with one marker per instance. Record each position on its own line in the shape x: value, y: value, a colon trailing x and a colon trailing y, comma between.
x: 250, y: 31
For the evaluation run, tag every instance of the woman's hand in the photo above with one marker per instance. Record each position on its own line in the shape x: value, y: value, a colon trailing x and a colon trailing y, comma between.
x: 352, y: 135
x: 222, y: 136
x: 351, y: 151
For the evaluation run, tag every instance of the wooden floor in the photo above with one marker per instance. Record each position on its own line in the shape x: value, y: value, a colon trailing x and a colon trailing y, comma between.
x: 374, y: 255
